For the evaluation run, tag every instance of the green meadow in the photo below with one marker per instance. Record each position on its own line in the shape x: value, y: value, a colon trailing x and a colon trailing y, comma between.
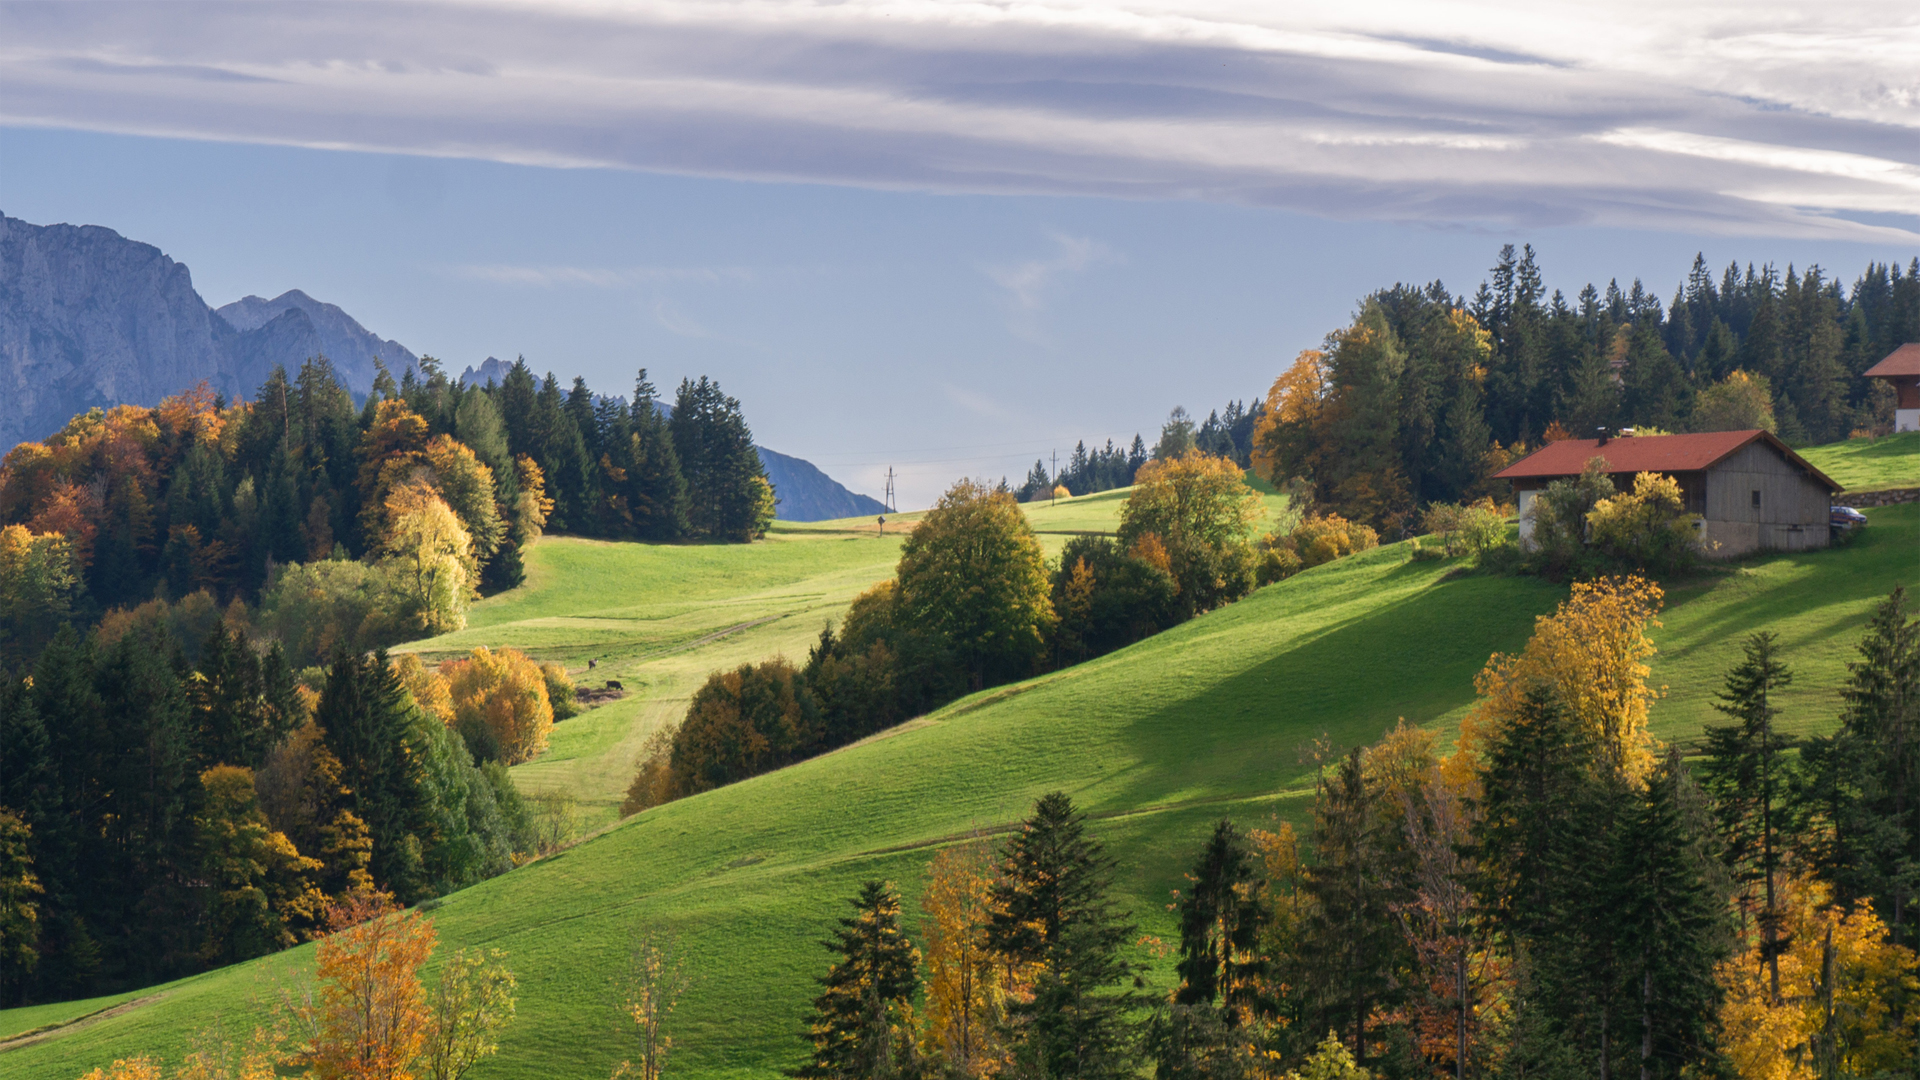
x: 1870, y: 464
x: 1215, y: 717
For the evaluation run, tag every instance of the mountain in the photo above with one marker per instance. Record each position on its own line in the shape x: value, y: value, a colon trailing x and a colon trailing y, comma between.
x: 804, y: 493
x: 90, y: 318
x: 352, y: 347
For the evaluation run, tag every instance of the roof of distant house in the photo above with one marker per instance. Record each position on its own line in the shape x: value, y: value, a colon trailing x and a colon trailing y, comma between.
x: 1902, y: 361
x: 1648, y: 453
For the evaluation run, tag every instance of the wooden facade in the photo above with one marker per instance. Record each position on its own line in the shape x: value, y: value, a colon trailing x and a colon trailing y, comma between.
x: 1751, y: 492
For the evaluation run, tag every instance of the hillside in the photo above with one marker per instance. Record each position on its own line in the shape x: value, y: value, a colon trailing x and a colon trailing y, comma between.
x: 1870, y: 464
x: 1210, y: 718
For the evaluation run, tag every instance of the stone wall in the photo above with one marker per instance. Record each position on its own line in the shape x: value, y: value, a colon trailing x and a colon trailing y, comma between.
x: 1889, y: 497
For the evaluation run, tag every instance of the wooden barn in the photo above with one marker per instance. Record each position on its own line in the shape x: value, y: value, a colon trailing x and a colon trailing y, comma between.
x: 1750, y: 489
x: 1901, y: 370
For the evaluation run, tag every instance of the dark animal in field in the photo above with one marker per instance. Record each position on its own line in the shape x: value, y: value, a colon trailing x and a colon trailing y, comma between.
x: 590, y: 663
x: 614, y: 684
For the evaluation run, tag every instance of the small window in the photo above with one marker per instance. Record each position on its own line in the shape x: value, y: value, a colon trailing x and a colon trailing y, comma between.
x: 1756, y: 500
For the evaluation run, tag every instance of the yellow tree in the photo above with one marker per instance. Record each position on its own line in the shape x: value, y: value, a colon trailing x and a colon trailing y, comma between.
x: 1282, y: 437
x: 368, y: 1019
x: 1840, y: 976
x: 431, y: 555
x: 504, y: 695
x: 1592, y: 653
x: 263, y: 891
x: 469, y: 1006
x: 650, y: 991
x: 967, y: 985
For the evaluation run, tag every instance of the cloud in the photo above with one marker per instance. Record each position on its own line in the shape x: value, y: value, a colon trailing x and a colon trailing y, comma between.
x: 1029, y: 282
x: 1728, y: 116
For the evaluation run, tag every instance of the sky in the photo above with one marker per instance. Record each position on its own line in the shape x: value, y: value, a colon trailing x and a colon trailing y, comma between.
x: 951, y: 238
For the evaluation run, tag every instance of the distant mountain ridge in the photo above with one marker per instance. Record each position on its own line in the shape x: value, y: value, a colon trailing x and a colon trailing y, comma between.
x: 90, y: 318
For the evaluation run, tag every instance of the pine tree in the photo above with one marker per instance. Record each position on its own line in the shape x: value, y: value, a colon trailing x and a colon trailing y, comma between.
x: 1747, y: 775
x: 862, y: 1025
x: 366, y: 715
x: 1672, y: 933
x: 1052, y: 912
x: 1222, y: 913
x: 657, y: 486
x: 1350, y: 944
x: 1861, y: 798
x: 725, y: 476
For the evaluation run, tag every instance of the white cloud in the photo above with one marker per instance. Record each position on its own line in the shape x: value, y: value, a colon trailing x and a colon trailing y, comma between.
x: 1029, y: 282
x: 1746, y: 117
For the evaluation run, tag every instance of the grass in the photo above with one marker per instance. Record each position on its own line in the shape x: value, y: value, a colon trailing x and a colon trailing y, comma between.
x: 1870, y: 464
x: 1212, y: 718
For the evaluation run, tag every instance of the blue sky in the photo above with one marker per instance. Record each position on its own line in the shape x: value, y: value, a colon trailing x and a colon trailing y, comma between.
x: 948, y: 237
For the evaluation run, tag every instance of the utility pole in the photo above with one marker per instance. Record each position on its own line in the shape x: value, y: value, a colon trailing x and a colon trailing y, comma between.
x: 891, y: 508
x: 1054, y: 484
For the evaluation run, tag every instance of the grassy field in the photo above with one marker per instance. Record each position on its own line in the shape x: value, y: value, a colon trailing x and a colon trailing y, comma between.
x: 1212, y: 718
x: 1870, y: 464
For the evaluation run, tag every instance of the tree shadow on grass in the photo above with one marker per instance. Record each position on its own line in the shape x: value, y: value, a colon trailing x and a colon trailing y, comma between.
x: 1414, y: 659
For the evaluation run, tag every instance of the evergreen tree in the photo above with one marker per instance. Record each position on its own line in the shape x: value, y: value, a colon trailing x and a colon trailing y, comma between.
x: 657, y: 486
x: 1052, y: 912
x: 1350, y: 945
x: 725, y: 477
x: 1672, y: 927
x: 1222, y: 914
x: 862, y: 1021
x: 1861, y: 798
x: 367, y: 718
x: 1747, y: 776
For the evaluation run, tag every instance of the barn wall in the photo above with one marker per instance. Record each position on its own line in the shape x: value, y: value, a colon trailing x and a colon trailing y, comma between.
x: 1792, y: 514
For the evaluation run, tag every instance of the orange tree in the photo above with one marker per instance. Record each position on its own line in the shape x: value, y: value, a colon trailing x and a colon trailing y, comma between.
x: 369, y: 1017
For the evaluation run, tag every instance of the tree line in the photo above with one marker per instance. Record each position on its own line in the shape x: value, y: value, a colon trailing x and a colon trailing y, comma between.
x: 356, y: 526
x: 1426, y: 394
x: 1226, y: 433
x: 1560, y: 896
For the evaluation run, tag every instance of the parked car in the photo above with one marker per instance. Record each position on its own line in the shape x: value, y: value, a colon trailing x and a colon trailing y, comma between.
x: 1843, y: 518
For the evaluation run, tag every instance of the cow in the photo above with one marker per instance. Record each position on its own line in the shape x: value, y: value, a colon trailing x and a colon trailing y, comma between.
x: 614, y: 684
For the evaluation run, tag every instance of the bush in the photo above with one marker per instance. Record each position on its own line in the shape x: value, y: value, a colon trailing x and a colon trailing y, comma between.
x: 1313, y: 542
x: 1647, y: 528
x: 1559, y: 516
x: 560, y: 691
x: 1467, y: 528
x: 500, y: 704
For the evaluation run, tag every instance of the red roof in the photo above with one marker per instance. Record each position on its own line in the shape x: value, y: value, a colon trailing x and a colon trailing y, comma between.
x: 1647, y: 453
x: 1901, y: 362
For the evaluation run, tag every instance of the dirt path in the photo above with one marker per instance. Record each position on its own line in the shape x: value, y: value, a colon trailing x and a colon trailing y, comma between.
x: 64, y: 1027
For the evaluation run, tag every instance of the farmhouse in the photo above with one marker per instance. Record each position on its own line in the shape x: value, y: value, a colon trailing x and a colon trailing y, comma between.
x: 1901, y: 369
x: 1750, y: 489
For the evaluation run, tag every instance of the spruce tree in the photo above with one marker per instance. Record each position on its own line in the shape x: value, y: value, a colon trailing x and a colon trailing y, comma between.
x: 657, y: 486
x: 1668, y: 914
x: 1350, y: 944
x: 725, y: 477
x: 365, y: 714
x: 1221, y: 915
x: 861, y: 1027
x: 1861, y: 798
x: 1747, y: 774
x: 1053, y: 912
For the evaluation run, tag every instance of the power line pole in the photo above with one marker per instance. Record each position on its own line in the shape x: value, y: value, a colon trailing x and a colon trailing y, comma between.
x: 1054, y: 484
x: 891, y: 508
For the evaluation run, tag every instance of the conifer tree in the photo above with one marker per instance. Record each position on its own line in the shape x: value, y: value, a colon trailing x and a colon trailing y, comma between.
x: 1861, y: 798
x: 1673, y: 933
x: 1222, y: 913
x: 723, y: 469
x: 1350, y: 944
x: 862, y: 1023
x: 657, y: 486
x: 1747, y: 774
x: 366, y: 715
x: 1053, y: 913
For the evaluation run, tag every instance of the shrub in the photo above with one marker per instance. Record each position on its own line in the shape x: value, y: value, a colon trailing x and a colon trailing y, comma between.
x: 1559, y: 516
x: 1738, y: 402
x: 1647, y: 528
x: 1317, y: 540
x: 1466, y: 528
x: 500, y: 704
x: 560, y: 690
